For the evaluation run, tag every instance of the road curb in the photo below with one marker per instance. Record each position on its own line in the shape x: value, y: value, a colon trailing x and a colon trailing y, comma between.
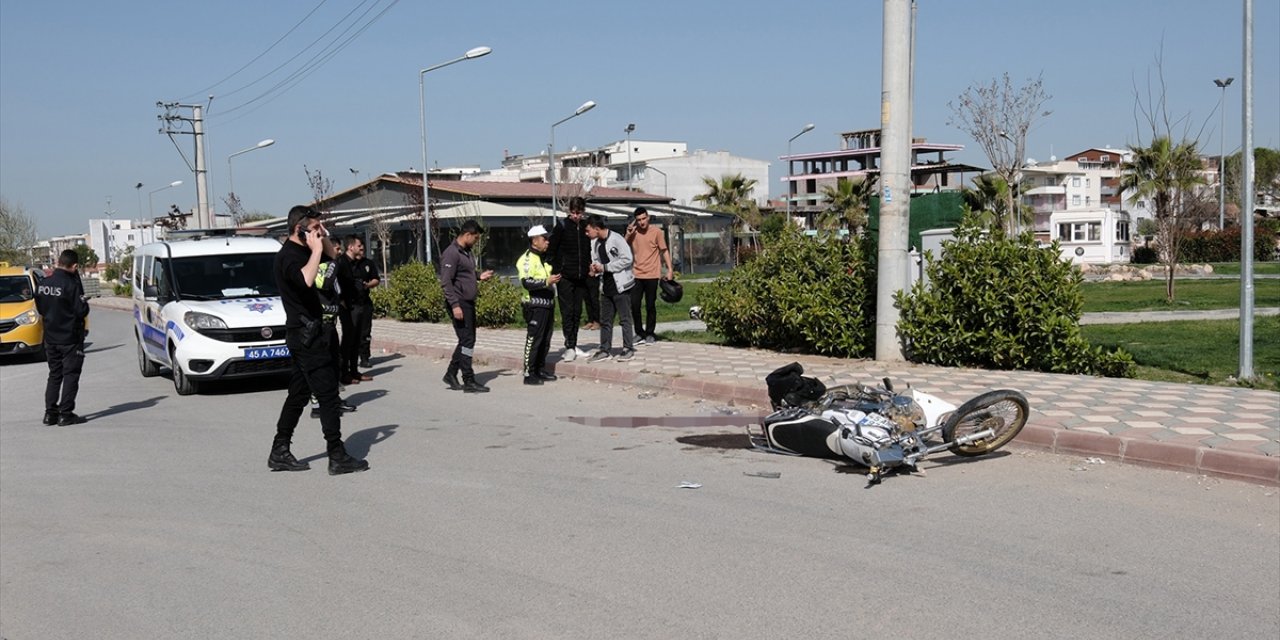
x: 1160, y: 455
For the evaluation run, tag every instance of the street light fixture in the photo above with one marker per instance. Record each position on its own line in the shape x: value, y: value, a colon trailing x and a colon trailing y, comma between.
x: 586, y: 106
x: 151, y: 206
x: 791, y: 185
x: 231, y: 183
x: 1222, y: 160
x: 477, y: 52
x: 138, y: 189
x: 630, y: 178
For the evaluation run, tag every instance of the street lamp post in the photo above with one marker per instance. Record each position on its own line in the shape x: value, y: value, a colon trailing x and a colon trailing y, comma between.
x: 422, y: 117
x: 231, y: 182
x: 151, y: 205
x: 586, y: 106
x: 630, y: 178
x: 791, y: 185
x: 1222, y: 160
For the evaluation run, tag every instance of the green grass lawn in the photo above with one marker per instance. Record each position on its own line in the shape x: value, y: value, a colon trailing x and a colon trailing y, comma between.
x: 1204, y: 351
x: 1233, y: 268
x: 1189, y: 295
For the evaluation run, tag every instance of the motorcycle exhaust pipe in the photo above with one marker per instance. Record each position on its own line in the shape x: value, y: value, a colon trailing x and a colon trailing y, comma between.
x: 974, y: 437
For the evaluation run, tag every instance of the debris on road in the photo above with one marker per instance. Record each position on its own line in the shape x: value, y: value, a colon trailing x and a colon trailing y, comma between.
x: 646, y: 395
x: 763, y: 474
x: 690, y: 485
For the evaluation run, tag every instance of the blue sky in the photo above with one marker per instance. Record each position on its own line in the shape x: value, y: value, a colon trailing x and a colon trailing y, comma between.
x: 79, y: 81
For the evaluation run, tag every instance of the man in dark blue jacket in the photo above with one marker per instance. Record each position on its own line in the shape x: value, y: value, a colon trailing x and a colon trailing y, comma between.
x: 60, y: 301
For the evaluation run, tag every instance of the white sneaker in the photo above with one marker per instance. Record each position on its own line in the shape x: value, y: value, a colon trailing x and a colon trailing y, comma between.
x: 569, y: 355
x: 582, y: 353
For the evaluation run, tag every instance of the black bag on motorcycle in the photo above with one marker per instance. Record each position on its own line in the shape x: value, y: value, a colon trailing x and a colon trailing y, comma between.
x: 787, y: 388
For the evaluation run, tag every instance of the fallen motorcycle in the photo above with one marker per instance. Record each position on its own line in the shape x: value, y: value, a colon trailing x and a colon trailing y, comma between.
x: 879, y: 428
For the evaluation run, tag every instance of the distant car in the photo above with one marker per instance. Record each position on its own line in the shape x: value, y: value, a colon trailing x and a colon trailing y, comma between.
x: 21, y: 329
x: 207, y: 308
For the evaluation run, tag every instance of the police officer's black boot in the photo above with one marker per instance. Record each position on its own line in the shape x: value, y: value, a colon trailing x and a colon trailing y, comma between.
x: 69, y: 418
x: 341, y: 462
x: 50, y: 418
x: 281, y: 459
x: 469, y: 385
x: 451, y: 379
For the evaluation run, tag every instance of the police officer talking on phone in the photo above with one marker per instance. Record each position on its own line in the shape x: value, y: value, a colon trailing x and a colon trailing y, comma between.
x: 314, y: 370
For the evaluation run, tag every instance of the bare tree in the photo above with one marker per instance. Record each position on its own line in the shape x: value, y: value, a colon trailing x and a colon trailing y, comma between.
x: 17, y: 233
x: 998, y: 116
x: 321, y: 188
x: 379, y: 222
x: 1165, y: 168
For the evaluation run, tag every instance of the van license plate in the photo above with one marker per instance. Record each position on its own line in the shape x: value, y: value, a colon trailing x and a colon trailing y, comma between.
x: 266, y: 353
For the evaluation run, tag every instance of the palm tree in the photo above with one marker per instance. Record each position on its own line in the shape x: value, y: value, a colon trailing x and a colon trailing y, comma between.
x: 847, y: 203
x: 1167, y: 175
x: 990, y: 198
x: 731, y: 194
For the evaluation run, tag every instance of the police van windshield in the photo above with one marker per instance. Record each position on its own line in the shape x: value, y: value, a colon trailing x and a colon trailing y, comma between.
x: 15, y: 288
x: 228, y: 276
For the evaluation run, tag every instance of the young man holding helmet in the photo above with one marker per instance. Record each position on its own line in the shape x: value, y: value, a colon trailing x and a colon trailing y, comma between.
x: 649, y: 249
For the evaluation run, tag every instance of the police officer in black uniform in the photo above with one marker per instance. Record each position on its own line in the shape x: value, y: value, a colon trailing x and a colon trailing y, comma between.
x: 60, y: 301
x: 309, y: 336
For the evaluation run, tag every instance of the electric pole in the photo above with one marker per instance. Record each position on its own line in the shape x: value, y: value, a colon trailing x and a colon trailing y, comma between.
x: 895, y: 174
x: 172, y: 122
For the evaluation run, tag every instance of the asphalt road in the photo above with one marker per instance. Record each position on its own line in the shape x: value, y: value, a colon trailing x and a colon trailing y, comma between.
x: 494, y: 517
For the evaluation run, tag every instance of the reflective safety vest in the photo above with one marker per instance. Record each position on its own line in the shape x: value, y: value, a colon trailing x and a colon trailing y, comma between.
x: 533, y: 272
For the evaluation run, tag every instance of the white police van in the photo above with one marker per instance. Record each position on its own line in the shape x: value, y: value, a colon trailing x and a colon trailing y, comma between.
x: 207, y: 308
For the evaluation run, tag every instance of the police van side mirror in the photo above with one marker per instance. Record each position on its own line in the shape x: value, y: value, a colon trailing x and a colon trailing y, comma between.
x: 150, y: 292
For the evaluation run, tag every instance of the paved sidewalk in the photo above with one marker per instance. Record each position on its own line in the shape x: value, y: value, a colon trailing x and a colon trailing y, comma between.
x: 1231, y: 432
x: 1221, y: 431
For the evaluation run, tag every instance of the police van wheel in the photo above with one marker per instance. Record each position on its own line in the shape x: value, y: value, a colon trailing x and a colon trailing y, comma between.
x: 146, y: 367
x: 184, y: 385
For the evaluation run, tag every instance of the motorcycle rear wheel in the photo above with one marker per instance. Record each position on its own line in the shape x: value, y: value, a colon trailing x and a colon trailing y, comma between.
x: 1005, y: 412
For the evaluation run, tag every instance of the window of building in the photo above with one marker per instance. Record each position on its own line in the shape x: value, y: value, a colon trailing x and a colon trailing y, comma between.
x: 1087, y: 182
x: 1080, y: 231
x: 1075, y: 200
x: 1088, y: 201
x: 1122, y: 232
x: 1095, y: 231
x: 1075, y: 182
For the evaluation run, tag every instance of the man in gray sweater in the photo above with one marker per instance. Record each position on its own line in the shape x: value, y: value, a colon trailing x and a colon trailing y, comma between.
x: 459, y: 280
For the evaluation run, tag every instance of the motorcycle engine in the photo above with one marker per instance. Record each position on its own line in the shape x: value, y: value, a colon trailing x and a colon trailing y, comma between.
x: 869, y: 438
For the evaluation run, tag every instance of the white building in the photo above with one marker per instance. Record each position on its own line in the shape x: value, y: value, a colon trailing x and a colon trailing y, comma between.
x: 111, y: 238
x: 653, y: 166
x: 1096, y: 236
x: 1088, y: 180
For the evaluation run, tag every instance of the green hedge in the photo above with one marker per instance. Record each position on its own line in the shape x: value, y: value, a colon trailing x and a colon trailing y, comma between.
x: 999, y: 302
x: 1224, y: 246
x: 799, y: 293
x: 414, y: 295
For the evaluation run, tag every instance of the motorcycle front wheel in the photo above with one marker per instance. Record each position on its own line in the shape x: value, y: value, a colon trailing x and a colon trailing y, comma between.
x: 1004, y: 412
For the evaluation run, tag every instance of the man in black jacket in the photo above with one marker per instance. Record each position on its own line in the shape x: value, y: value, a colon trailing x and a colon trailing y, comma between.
x: 570, y: 255
x: 309, y: 319
x: 60, y: 301
x: 460, y: 282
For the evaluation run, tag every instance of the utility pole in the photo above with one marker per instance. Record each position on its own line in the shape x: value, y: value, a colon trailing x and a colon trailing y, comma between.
x: 174, y: 123
x: 895, y: 174
x: 1246, y: 201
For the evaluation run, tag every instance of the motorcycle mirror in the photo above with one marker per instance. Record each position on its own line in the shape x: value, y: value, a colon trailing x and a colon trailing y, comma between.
x: 888, y: 384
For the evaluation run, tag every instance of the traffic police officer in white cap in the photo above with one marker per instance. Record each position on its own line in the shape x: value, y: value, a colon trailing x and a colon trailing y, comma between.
x: 538, y: 303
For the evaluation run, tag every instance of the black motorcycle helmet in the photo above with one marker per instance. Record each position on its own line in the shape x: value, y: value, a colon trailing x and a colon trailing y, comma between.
x: 672, y: 291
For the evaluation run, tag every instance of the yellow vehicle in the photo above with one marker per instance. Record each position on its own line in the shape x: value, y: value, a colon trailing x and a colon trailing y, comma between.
x: 21, y: 330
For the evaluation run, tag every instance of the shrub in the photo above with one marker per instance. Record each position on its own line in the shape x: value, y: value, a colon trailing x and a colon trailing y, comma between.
x: 799, y: 293
x: 414, y: 294
x: 1145, y: 255
x: 1224, y: 246
x: 1000, y: 302
x: 497, y: 303
x: 125, y: 289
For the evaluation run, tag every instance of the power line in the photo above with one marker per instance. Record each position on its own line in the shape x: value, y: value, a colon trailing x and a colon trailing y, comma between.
x: 257, y: 57
x: 311, y: 65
